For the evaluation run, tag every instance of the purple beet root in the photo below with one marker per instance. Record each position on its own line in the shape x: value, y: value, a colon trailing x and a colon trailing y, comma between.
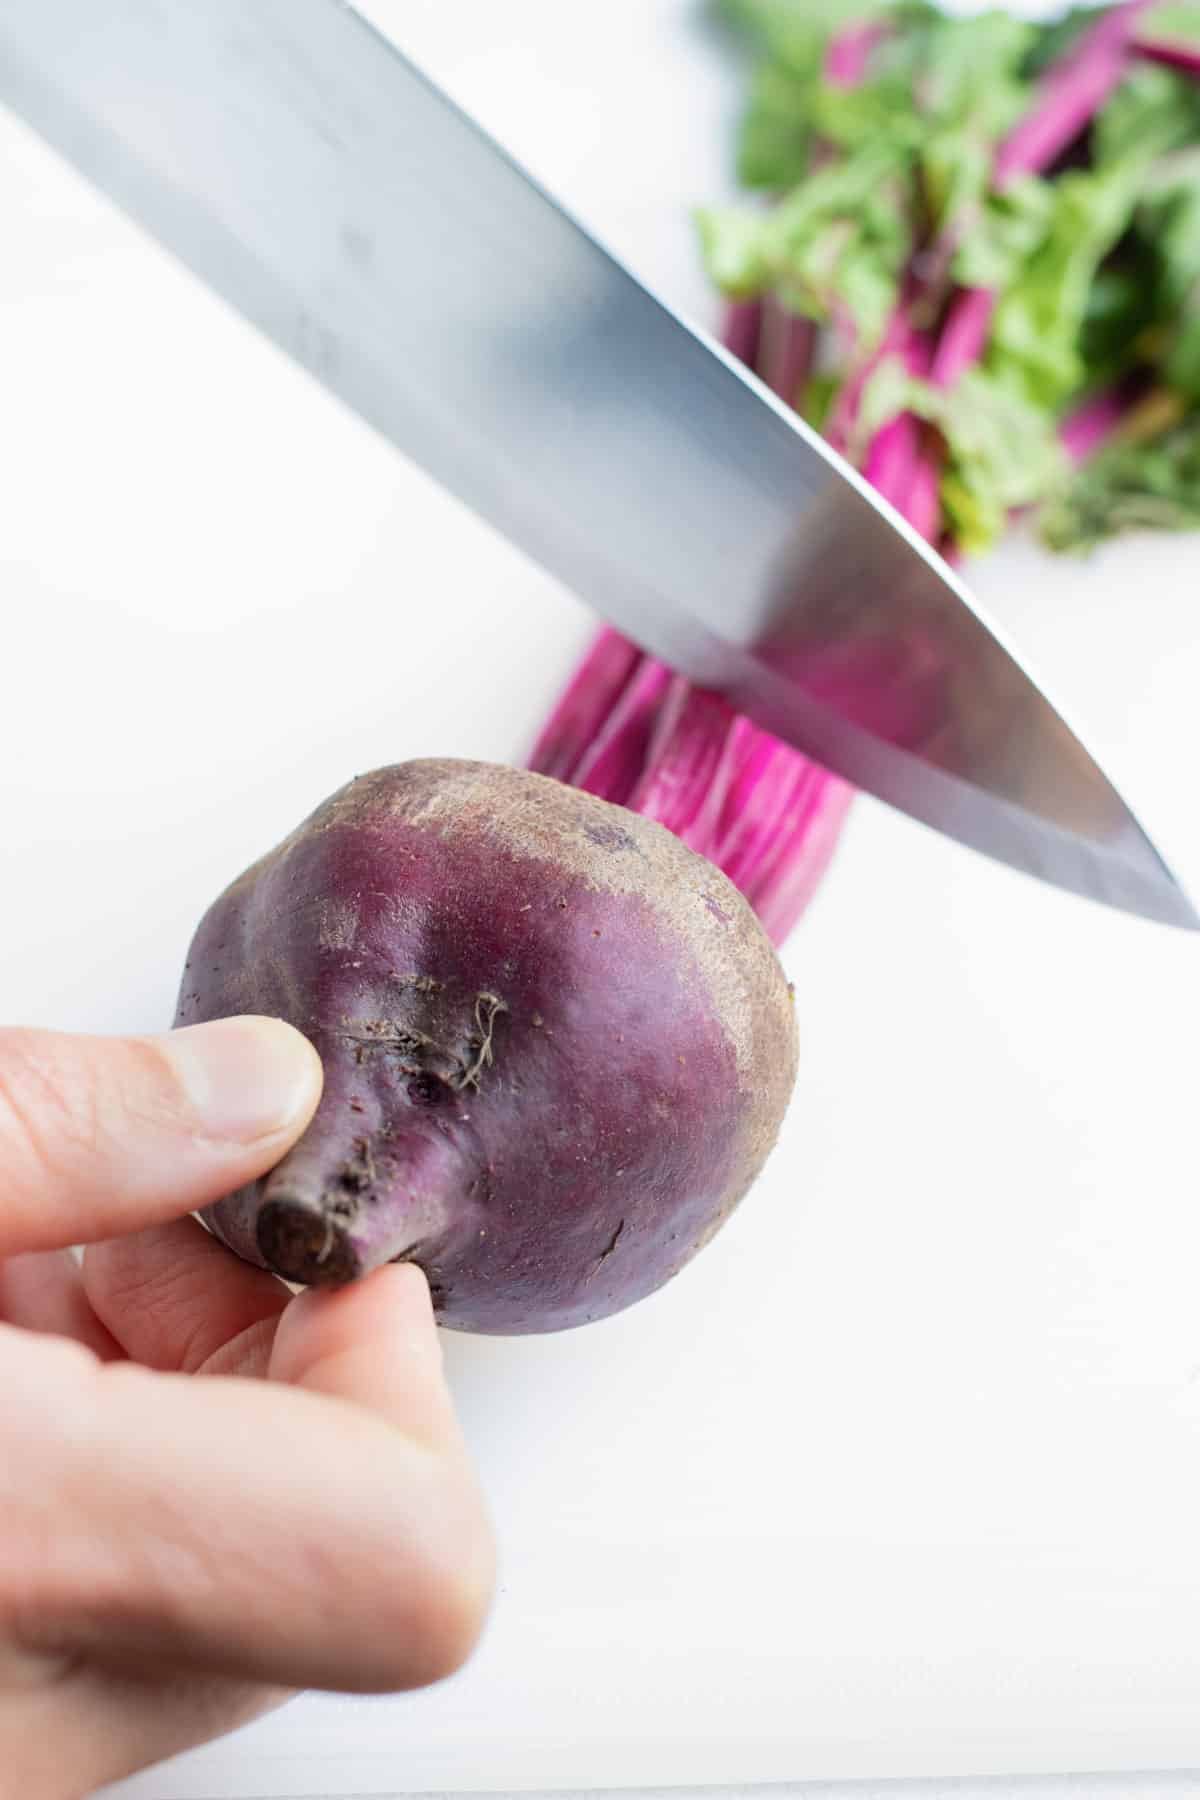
x: 557, y: 1044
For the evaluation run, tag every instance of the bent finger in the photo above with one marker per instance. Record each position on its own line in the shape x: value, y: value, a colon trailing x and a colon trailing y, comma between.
x: 332, y: 1341
x: 43, y: 1291
x: 174, y: 1298
x: 333, y: 1538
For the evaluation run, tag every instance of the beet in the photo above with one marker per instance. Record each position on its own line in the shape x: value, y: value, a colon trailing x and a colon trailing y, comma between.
x: 557, y: 1044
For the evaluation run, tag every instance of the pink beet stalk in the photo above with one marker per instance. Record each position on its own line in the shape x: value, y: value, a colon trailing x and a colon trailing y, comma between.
x: 593, y: 691
x: 785, y: 816
x: 1176, y: 55
x: 1072, y: 92
x: 630, y: 730
x: 963, y: 336
x: 900, y: 464
x: 768, y: 817
x: 1089, y: 427
x: 763, y: 813
x: 889, y: 462
x: 611, y: 760
x: 849, y: 54
x: 907, y: 470
x: 784, y: 351
x: 840, y: 427
x: 922, y: 503
x: 687, y: 765
x: 1182, y: 53
x: 743, y: 322
x: 1099, y: 418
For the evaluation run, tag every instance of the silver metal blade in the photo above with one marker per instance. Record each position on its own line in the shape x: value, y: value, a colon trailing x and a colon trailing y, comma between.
x: 322, y: 186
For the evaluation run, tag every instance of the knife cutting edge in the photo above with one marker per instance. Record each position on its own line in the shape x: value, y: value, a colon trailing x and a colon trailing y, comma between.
x: 319, y: 183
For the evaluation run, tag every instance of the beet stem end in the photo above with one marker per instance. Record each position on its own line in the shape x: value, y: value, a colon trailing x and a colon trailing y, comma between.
x: 305, y: 1244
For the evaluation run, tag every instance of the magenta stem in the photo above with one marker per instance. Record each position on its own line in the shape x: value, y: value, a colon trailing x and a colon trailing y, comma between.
x: 1070, y: 94
x: 840, y: 428
x: 786, y: 348
x: 848, y: 56
x: 901, y: 463
x: 592, y: 693
x: 611, y: 764
x: 1175, y: 53
x: 762, y: 812
x: 963, y: 337
x: 1090, y: 426
x: 740, y: 329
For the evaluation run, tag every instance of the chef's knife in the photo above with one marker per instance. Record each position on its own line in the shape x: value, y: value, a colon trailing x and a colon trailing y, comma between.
x: 318, y: 182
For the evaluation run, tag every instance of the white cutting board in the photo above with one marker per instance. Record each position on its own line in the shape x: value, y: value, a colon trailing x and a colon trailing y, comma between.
x: 904, y: 1474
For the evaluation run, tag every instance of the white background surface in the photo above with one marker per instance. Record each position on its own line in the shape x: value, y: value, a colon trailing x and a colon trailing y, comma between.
x: 903, y: 1476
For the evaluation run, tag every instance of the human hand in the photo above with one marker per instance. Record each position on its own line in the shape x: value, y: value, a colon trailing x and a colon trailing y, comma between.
x: 175, y: 1554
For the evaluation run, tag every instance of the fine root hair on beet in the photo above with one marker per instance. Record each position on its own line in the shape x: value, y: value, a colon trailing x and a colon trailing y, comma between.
x: 488, y: 1007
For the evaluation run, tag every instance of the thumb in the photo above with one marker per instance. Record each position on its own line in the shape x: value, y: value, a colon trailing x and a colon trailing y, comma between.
x: 102, y: 1136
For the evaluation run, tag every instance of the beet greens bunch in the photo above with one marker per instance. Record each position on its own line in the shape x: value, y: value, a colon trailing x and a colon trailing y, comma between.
x: 975, y: 265
x: 972, y: 261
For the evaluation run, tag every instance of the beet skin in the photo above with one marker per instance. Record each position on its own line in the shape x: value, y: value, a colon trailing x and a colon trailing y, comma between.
x: 557, y: 1044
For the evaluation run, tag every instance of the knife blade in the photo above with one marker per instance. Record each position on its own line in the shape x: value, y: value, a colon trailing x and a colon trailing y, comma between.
x: 320, y: 184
